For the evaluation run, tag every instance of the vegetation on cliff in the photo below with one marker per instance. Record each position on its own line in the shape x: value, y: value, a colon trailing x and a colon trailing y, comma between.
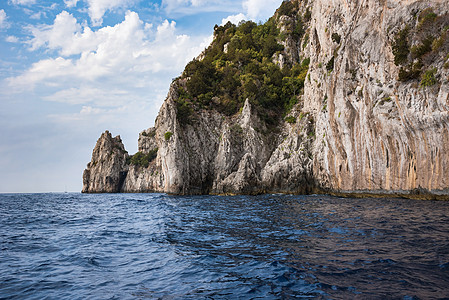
x: 239, y: 65
x: 417, y: 44
x: 142, y: 159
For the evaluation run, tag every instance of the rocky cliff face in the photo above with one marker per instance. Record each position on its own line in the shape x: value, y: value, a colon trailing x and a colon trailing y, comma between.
x: 222, y: 155
x: 372, y: 116
x: 378, y: 131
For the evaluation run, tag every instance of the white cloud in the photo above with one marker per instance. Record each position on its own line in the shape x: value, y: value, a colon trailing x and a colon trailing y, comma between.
x: 70, y: 3
x: 61, y: 35
x: 90, y: 94
x: 38, y: 15
x: 3, y: 17
x: 260, y: 9
x: 12, y: 39
x: 256, y: 10
x: 235, y: 19
x: 91, y: 65
x: 97, y: 8
x: 23, y: 2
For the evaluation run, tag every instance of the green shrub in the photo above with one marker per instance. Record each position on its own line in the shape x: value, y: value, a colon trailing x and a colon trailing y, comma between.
x: 223, y: 81
x: 384, y: 100
x: 307, y: 15
x: 298, y: 31
x: 168, y: 135
x: 426, y: 17
x: 428, y: 78
x: 286, y: 9
x: 410, y: 72
x: 330, y: 64
x: 336, y: 38
x: 290, y: 119
x: 438, y: 43
x: 142, y: 160
x: 271, y: 46
x: 184, y: 111
x: 306, y: 40
x: 151, y: 134
x: 425, y: 47
x: 236, y: 129
x: 400, y: 47
x: 305, y: 63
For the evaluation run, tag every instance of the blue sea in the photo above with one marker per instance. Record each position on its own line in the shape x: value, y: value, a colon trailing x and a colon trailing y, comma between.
x: 156, y: 246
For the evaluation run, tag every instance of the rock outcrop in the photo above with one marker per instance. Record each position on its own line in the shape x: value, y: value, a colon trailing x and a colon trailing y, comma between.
x: 108, y: 168
x: 368, y: 121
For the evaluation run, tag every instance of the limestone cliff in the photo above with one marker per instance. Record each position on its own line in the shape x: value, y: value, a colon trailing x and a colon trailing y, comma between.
x: 107, y: 170
x: 368, y: 111
x: 380, y: 127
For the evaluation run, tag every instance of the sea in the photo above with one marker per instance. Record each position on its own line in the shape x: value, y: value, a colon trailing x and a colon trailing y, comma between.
x: 158, y: 246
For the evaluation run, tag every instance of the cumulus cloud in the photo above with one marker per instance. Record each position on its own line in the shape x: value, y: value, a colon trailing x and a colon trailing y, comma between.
x: 97, y: 8
x: 90, y: 65
x: 260, y: 9
x: 235, y: 19
x: 64, y: 35
x: 256, y: 10
x: 12, y: 39
x: 3, y: 17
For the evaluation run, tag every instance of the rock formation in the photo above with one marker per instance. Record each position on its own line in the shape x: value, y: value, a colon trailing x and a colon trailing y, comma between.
x: 372, y: 116
x: 107, y: 171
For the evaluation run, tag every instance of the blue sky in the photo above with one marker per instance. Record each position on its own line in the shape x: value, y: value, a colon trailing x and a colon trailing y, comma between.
x: 71, y: 69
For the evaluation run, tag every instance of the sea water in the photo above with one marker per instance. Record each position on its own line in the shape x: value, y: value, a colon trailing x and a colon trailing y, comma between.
x: 156, y: 246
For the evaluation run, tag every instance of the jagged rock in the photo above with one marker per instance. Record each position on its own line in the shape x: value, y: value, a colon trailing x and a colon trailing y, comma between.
x: 107, y: 170
x: 289, y: 168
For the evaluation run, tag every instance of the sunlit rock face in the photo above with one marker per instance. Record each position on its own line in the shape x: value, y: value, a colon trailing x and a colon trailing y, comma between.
x: 375, y: 132
x: 107, y: 170
x: 372, y: 116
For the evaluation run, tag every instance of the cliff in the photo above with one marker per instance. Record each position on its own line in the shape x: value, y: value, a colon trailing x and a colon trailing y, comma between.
x: 327, y: 96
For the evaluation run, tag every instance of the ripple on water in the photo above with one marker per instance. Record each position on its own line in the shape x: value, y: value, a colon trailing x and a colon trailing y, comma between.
x: 127, y: 246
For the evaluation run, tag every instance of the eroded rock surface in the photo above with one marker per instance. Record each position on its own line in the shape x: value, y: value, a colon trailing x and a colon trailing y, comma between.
x: 374, y: 132
x: 359, y: 126
x: 107, y: 170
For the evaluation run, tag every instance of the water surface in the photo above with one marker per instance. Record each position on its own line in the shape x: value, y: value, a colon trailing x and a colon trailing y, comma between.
x: 155, y: 246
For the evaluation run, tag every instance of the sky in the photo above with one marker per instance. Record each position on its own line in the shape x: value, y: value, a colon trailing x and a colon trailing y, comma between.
x: 71, y: 69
